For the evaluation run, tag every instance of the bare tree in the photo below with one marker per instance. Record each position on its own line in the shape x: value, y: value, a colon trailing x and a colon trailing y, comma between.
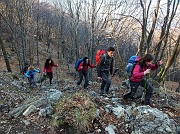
x: 5, y: 56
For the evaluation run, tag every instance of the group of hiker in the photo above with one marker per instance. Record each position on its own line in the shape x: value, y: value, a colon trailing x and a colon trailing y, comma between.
x: 29, y: 71
x: 139, y: 73
x: 141, y: 68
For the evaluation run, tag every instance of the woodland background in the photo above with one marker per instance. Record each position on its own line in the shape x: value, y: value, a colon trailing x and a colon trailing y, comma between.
x: 70, y: 29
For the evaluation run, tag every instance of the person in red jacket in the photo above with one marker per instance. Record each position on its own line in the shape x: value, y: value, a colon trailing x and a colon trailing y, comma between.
x: 141, y: 70
x: 83, y: 71
x: 49, y: 64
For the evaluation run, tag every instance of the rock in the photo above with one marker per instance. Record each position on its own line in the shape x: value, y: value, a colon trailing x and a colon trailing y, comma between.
x: 26, y: 122
x: 29, y: 110
x: 110, y: 129
x: 118, y: 111
x: 152, y: 120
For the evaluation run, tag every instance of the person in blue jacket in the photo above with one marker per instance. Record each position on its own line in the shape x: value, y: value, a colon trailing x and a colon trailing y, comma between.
x: 30, y: 75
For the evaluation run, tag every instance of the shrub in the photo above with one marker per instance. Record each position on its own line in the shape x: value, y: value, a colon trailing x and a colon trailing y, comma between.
x: 77, y: 110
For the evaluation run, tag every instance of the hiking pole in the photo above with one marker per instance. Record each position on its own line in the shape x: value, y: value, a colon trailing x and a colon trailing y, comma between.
x: 165, y: 91
x: 57, y: 77
x: 115, y: 71
x: 143, y: 95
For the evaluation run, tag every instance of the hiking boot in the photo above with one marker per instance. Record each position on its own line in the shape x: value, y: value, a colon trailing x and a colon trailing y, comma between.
x: 102, y: 92
x: 126, y: 97
x: 107, y: 91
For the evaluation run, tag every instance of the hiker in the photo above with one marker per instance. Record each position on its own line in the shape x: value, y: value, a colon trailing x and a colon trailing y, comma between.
x: 139, y: 77
x: 83, y: 71
x: 30, y: 75
x: 104, y: 67
x: 49, y: 64
x: 26, y: 66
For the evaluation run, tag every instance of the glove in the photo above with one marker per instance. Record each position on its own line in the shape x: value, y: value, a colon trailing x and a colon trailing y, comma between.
x: 147, y: 71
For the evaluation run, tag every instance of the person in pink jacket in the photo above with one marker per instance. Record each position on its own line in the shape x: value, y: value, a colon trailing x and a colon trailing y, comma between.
x: 83, y: 71
x: 141, y: 70
x: 49, y: 64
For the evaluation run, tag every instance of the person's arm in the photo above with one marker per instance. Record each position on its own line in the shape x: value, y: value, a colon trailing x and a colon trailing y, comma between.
x: 111, y: 67
x: 156, y: 65
x: 55, y: 65
x: 99, y: 65
x: 92, y: 66
x: 27, y: 73
x: 80, y: 67
x: 35, y: 70
x: 24, y: 70
x: 44, y: 69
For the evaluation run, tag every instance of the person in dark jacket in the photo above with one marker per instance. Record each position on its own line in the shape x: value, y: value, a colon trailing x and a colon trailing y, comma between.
x: 83, y: 71
x: 104, y: 67
x: 26, y: 66
x: 141, y: 70
x: 30, y: 75
x: 49, y: 64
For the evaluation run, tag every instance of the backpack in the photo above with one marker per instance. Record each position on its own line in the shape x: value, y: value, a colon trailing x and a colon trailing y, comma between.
x: 77, y: 63
x: 98, y: 55
x: 131, y: 64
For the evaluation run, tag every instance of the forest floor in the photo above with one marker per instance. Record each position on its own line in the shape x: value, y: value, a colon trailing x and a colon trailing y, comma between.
x: 42, y: 125
x: 34, y: 124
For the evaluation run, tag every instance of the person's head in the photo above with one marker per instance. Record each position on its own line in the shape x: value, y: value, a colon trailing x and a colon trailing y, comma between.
x: 26, y: 64
x: 49, y: 62
x: 110, y: 51
x: 147, y: 59
x: 85, y: 60
x: 31, y: 68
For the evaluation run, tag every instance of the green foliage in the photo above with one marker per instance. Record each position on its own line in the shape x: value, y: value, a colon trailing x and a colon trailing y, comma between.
x: 77, y: 110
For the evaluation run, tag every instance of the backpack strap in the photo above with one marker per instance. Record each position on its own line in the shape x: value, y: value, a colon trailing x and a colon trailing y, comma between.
x: 134, y: 67
x: 104, y: 58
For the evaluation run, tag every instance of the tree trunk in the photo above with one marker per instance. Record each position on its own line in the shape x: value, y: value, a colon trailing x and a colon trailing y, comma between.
x: 178, y: 89
x: 5, y: 55
x: 171, y: 59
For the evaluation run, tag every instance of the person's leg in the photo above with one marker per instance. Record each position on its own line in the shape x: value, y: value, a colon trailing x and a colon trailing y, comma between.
x: 30, y: 81
x: 49, y: 74
x: 134, y: 86
x: 103, y: 83
x: 51, y: 77
x: 33, y: 81
x: 148, y: 91
x: 106, y: 81
x: 80, y: 77
x: 86, y: 80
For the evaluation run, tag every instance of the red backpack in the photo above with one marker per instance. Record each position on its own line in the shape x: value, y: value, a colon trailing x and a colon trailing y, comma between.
x: 98, y: 55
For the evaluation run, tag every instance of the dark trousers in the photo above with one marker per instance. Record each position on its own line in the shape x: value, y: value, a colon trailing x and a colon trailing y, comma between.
x: 85, y: 74
x: 106, y: 82
x: 134, y: 85
x: 32, y: 81
x: 50, y: 75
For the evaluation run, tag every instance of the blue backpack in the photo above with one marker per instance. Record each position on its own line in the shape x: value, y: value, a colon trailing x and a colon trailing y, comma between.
x: 77, y: 63
x: 131, y: 64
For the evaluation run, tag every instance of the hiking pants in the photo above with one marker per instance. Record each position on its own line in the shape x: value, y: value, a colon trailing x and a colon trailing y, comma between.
x: 105, y: 82
x: 85, y: 74
x: 50, y: 75
x: 148, y: 90
x: 32, y: 81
